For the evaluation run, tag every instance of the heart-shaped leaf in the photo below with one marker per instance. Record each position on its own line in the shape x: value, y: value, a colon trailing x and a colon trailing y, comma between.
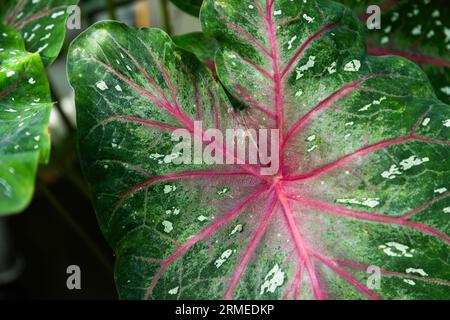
x: 190, y: 6
x: 25, y: 105
x: 359, y: 207
x: 42, y: 24
x: 416, y: 29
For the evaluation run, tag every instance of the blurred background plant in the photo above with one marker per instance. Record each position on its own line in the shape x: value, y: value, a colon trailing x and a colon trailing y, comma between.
x: 59, y: 227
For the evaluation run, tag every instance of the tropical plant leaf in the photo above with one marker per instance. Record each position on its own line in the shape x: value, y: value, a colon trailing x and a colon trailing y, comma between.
x: 416, y: 29
x: 42, y: 24
x: 364, y: 160
x: 190, y: 6
x: 25, y: 105
x: 203, y: 47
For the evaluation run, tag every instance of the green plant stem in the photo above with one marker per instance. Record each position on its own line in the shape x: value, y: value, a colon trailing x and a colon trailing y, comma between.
x: 66, y: 216
x: 165, y: 15
x: 111, y: 4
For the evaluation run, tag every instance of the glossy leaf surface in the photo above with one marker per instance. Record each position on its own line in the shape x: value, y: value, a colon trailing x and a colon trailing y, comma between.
x: 42, y: 24
x: 418, y: 30
x: 25, y: 106
x: 364, y: 159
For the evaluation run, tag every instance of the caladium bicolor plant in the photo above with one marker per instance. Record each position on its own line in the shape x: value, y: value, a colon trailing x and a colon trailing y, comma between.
x: 418, y: 30
x: 42, y: 24
x: 414, y: 29
x: 25, y: 99
x: 361, y: 193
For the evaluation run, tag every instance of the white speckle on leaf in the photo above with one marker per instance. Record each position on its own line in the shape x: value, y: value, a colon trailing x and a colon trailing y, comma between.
x: 40, y: 49
x: 417, y: 30
x: 202, y: 218
x: 446, y: 90
x: 392, y: 173
x: 447, y: 210
x: 223, y: 191
x: 441, y: 190
x: 57, y: 14
x: 418, y: 271
x: 300, y: 71
x: 169, y: 189
x: 238, y: 228
x: 290, y: 42
x: 368, y: 202
x: 426, y: 122
x: 168, y: 226
x: 223, y: 258
x: 353, y: 66
x: 394, y: 249
x: 272, y: 280
x: 31, y: 81
x: 409, y: 281
x: 102, y: 85
x: 412, y: 161
x: 174, y: 291
x: 308, y: 18
x: 446, y: 123
x: 332, y: 68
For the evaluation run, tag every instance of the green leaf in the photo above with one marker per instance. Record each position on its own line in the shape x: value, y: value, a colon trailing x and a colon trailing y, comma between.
x: 203, y: 47
x: 364, y: 160
x: 25, y: 105
x: 190, y: 6
x: 42, y: 24
x: 416, y: 29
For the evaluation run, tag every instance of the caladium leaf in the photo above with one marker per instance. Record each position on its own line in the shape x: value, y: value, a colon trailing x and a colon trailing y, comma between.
x: 42, y: 24
x: 190, y: 6
x: 361, y: 194
x: 25, y: 105
x: 418, y: 30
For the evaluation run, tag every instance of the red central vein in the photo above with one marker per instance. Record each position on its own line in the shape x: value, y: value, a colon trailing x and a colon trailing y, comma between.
x: 300, y: 243
x: 360, y: 153
x: 187, y: 122
x: 267, y: 217
x: 341, y: 211
x: 323, y: 105
x: 425, y: 206
x: 178, y: 176
x: 415, y: 58
x: 388, y: 273
x: 13, y: 14
x: 36, y: 16
x: 143, y: 71
x: 254, y: 103
x: 277, y: 77
x: 205, y: 233
x: 182, y: 118
x: 247, y: 36
x: 347, y: 276
x: 9, y: 89
x: 304, y: 46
